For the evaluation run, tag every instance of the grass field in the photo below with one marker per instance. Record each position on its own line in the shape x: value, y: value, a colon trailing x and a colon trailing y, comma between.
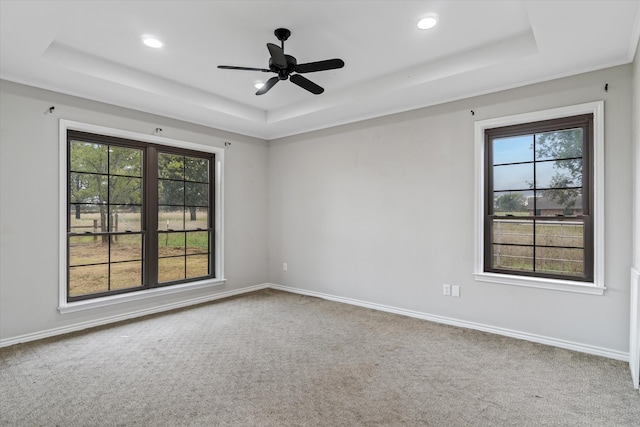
x: 130, y: 221
x: 117, y: 264
x: 564, y: 256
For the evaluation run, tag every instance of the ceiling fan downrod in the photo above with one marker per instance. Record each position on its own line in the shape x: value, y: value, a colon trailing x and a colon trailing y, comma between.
x: 282, y: 34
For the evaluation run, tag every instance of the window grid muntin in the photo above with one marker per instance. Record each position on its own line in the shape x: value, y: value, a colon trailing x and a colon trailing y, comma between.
x: 148, y: 188
x: 584, y: 122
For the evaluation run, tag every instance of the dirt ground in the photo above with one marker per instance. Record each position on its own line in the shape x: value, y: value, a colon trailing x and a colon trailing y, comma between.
x: 125, y: 269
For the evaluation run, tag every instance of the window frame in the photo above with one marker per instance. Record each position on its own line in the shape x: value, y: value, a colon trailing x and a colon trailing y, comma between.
x: 583, y: 122
x: 158, y: 144
x: 596, y: 284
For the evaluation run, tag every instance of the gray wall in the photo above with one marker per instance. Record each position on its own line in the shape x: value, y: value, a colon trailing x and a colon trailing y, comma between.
x: 636, y: 169
x: 382, y: 211
x: 635, y: 303
x: 30, y: 199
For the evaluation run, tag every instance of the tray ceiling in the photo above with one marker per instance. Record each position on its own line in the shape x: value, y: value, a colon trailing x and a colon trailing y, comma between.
x: 94, y: 49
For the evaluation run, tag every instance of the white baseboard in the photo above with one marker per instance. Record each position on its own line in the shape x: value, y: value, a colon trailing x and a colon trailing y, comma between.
x: 634, y: 330
x: 584, y: 348
x: 569, y: 345
x: 126, y: 316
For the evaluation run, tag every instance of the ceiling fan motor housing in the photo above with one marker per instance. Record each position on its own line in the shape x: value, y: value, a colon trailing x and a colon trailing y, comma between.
x: 283, y: 73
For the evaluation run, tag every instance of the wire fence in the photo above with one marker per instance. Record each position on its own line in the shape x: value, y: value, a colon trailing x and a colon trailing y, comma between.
x: 558, y: 248
x: 116, y: 224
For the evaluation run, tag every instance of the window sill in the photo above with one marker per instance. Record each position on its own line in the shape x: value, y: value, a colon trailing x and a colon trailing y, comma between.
x: 535, y: 282
x: 146, y: 294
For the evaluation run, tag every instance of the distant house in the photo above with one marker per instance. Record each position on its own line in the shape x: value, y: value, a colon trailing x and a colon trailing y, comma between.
x: 548, y: 207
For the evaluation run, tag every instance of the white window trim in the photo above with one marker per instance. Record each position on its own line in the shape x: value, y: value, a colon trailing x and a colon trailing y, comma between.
x: 69, y: 307
x: 596, y: 287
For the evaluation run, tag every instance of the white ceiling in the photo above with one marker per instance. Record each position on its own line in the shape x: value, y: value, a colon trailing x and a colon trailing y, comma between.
x: 93, y: 49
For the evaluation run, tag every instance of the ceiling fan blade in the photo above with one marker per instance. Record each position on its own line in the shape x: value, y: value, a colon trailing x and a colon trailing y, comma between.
x: 232, y: 67
x: 310, y: 67
x: 277, y: 55
x: 307, y: 84
x: 268, y: 85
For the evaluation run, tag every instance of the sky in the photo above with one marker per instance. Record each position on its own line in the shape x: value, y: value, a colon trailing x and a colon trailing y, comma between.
x: 520, y: 176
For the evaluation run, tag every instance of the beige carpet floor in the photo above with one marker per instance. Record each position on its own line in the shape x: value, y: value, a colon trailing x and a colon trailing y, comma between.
x: 272, y: 358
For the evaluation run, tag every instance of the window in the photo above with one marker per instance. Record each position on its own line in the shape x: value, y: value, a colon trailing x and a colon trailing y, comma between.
x: 183, y: 217
x: 540, y: 224
x: 142, y: 214
x: 538, y: 207
x: 105, y: 227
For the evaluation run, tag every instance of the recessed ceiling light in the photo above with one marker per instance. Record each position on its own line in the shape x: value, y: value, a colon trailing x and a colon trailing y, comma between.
x: 428, y: 22
x: 152, y: 42
x: 258, y: 85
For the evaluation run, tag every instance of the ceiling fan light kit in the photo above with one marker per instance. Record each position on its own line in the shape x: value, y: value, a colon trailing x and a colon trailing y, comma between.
x: 428, y: 22
x: 286, y: 65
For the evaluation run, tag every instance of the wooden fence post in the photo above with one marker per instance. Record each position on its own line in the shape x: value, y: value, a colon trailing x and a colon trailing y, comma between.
x: 498, y: 260
x: 115, y: 224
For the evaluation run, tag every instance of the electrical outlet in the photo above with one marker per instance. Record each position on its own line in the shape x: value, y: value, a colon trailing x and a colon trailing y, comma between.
x: 455, y: 291
x: 446, y: 289
x: 284, y: 266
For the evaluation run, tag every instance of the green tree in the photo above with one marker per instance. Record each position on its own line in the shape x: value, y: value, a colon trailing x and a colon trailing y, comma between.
x: 566, y: 147
x: 105, y: 178
x: 511, y: 202
x: 183, y: 182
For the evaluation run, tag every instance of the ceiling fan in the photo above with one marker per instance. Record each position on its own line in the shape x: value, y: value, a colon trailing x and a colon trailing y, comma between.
x: 284, y: 65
